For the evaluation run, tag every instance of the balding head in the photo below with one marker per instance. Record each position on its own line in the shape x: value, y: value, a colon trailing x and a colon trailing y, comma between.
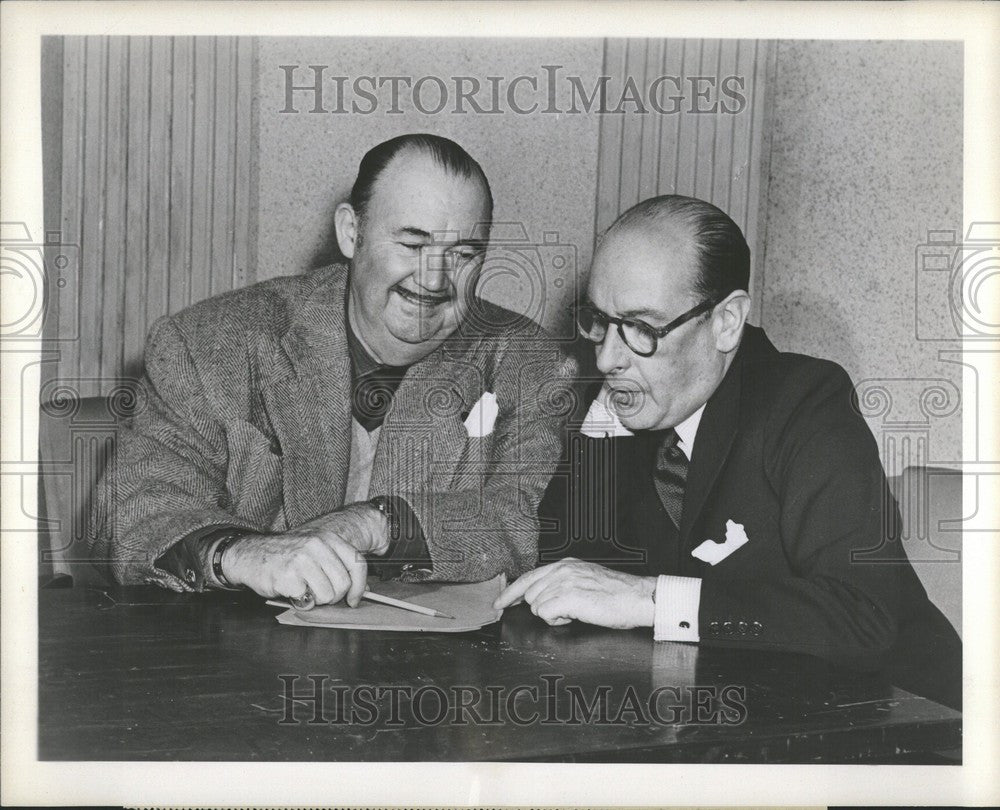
x: 447, y: 154
x: 697, y: 233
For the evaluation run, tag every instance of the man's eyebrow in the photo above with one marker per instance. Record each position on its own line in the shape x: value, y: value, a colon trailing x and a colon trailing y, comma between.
x: 643, y: 313
x: 632, y: 313
x: 420, y: 233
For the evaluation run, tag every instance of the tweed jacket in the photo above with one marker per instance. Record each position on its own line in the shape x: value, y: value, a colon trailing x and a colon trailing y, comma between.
x: 246, y: 422
x: 782, y: 450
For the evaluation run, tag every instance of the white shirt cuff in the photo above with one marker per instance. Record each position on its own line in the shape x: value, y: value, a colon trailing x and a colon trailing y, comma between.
x: 677, y: 603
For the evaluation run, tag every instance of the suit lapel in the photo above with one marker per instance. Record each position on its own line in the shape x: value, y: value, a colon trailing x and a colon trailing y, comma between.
x: 643, y: 531
x: 716, y: 432
x: 712, y: 444
x: 308, y: 398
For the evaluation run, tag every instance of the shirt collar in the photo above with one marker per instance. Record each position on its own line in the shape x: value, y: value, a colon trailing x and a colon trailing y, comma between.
x: 687, y: 430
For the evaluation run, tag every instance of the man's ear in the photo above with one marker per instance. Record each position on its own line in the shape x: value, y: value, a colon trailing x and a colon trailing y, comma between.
x: 346, y: 222
x: 730, y: 318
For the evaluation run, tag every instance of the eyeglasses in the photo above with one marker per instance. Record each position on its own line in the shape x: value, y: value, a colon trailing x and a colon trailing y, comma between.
x: 639, y: 336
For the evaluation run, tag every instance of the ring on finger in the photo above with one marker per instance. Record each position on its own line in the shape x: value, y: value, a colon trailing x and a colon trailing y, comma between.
x: 305, y: 602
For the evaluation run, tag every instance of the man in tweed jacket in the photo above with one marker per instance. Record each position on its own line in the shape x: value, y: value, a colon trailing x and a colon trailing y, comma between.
x: 298, y: 429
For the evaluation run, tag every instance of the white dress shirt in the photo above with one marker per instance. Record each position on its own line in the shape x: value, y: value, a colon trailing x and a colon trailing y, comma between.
x: 678, y: 598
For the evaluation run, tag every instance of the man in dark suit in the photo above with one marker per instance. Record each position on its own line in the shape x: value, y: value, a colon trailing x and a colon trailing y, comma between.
x: 298, y: 429
x: 721, y: 491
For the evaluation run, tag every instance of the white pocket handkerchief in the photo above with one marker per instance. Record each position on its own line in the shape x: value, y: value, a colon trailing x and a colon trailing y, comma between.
x: 601, y: 421
x: 712, y: 552
x: 482, y: 417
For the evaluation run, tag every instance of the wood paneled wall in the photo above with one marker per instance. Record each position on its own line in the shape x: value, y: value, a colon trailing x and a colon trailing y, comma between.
x: 721, y: 157
x: 157, y: 190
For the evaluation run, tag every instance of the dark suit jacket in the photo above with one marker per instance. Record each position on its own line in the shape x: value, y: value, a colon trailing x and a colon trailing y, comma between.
x: 782, y: 450
x: 245, y: 421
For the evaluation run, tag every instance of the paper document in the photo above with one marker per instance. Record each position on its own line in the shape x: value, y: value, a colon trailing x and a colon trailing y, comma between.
x: 471, y: 603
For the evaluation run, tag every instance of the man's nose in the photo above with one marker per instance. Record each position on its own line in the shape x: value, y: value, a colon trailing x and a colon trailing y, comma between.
x: 612, y: 353
x: 434, y: 269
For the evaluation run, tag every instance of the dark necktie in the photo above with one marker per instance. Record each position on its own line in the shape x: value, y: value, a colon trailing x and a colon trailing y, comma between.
x: 373, y: 393
x: 670, y: 475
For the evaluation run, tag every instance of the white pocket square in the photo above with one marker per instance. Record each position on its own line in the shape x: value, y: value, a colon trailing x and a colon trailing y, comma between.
x: 601, y: 421
x: 482, y: 417
x: 713, y: 553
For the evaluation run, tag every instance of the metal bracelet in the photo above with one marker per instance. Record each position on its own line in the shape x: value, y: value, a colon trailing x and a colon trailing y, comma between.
x: 217, y: 552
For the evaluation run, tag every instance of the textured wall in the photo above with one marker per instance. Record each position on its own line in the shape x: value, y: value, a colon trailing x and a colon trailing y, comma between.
x: 866, y: 159
x: 542, y: 167
x: 152, y: 187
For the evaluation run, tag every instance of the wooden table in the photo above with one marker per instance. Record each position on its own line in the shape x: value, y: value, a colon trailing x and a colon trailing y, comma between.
x: 145, y: 674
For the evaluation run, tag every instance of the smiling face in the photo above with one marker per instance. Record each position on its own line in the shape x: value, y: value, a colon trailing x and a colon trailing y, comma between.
x: 414, y: 264
x: 648, y: 273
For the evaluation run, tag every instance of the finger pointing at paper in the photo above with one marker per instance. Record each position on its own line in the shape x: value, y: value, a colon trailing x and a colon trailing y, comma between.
x: 572, y: 589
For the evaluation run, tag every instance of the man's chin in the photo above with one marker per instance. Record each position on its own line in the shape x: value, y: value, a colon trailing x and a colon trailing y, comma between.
x: 420, y: 324
x: 415, y: 344
x: 633, y: 423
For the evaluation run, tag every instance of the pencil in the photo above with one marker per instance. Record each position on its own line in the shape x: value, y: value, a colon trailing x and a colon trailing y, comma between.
x: 307, y: 602
x: 388, y: 600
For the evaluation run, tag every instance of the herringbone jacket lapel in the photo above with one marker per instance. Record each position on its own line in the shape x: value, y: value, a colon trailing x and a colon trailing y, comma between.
x: 307, y: 394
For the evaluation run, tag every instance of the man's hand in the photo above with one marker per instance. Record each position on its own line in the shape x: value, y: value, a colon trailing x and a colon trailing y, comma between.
x: 573, y: 589
x: 325, y: 556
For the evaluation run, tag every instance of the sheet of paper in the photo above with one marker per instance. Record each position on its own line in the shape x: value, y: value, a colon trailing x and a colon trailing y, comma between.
x: 471, y: 603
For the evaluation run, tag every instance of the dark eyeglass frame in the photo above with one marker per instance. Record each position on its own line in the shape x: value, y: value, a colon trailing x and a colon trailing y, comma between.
x: 658, y: 333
